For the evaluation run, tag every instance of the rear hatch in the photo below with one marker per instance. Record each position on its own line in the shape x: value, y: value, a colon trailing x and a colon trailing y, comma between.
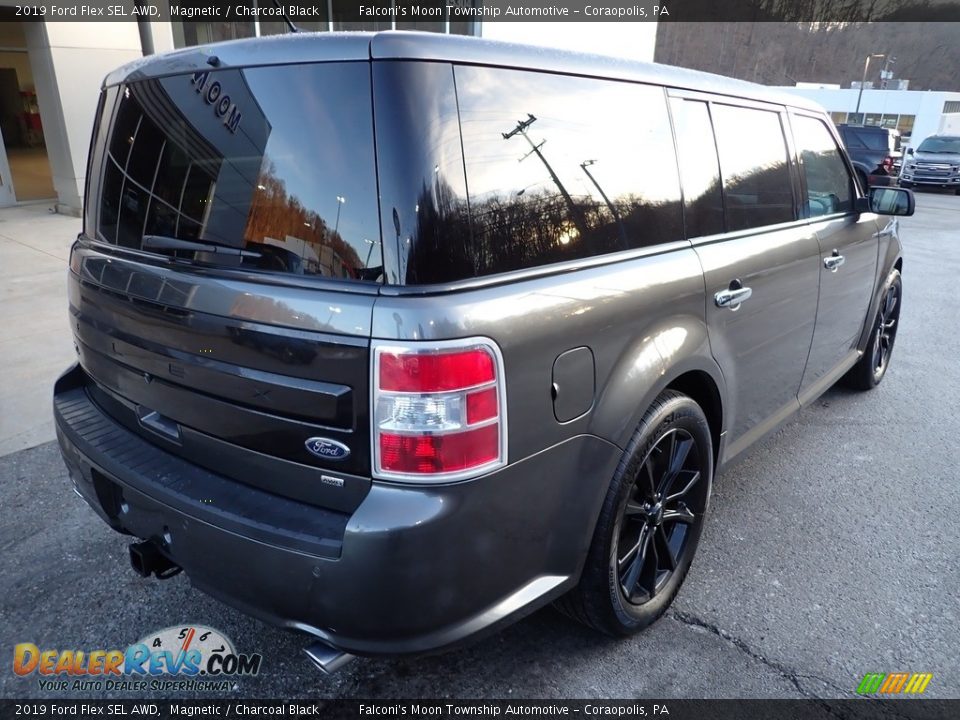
x: 222, y: 290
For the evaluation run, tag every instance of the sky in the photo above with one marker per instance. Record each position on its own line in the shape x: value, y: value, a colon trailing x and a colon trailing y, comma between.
x: 627, y: 40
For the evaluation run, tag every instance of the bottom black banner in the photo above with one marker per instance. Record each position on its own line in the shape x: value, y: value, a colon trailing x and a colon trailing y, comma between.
x: 907, y: 709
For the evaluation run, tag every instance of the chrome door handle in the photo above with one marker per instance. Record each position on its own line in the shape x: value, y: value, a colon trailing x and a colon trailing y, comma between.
x: 732, y: 298
x: 834, y: 261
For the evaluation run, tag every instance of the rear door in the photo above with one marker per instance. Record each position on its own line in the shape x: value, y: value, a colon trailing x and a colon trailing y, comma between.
x: 759, y: 261
x: 250, y: 359
x: 848, y: 250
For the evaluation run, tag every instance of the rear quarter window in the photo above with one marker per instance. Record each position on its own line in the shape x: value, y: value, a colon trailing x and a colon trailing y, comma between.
x: 561, y: 168
x: 487, y: 170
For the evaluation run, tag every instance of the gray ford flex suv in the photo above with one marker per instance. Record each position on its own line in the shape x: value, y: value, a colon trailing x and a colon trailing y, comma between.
x: 393, y: 338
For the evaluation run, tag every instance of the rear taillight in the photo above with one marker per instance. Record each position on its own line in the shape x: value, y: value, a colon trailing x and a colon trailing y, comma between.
x: 438, y: 410
x: 887, y: 164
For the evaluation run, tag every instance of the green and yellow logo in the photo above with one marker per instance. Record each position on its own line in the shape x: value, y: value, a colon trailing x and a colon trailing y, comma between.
x: 894, y: 683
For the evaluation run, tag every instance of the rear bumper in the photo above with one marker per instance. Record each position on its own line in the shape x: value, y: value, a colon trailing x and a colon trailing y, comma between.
x: 413, y: 569
x: 881, y: 180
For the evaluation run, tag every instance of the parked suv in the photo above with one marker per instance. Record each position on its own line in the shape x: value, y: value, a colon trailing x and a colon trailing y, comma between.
x: 935, y: 163
x: 393, y: 338
x: 874, y: 152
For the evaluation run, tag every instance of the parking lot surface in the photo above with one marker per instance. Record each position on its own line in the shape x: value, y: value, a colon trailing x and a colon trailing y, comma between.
x: 830, y: 552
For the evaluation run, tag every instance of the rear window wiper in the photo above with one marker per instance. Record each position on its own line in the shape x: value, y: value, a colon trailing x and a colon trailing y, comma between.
x: 162, y: 242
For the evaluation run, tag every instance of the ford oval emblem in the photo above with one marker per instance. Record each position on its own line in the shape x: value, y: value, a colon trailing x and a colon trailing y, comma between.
x: 327, y: 449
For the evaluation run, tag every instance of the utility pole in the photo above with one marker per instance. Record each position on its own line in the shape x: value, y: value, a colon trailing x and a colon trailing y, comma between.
x: 863, y: 80
x: 340, y: 201
x: 616, y: 216
x: 521, y: 129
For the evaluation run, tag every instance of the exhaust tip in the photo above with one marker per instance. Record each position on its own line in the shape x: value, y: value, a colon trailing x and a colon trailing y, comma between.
x: 326, y: 657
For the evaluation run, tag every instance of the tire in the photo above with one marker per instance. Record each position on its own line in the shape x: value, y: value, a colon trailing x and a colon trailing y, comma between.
x: 647, y: 513
x: 872, y: 366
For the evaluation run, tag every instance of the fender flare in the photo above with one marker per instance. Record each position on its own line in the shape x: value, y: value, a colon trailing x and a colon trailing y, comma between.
x: 675, y: 347
x: 879, y: 293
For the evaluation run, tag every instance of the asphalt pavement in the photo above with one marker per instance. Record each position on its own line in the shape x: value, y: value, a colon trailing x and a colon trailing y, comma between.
x: 830, y: 552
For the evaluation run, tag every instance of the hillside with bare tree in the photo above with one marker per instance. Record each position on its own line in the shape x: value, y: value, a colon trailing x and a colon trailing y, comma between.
x: 781, y: 53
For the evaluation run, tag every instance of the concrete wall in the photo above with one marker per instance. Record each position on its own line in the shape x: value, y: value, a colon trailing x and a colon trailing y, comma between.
x: 628, y: 40
x: 927, y: 106
x: 162, y: 34
x: 69, y: 63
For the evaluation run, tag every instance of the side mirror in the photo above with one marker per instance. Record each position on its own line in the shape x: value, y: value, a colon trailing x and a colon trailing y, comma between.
x: 909, y: 151
x: 891, y: 201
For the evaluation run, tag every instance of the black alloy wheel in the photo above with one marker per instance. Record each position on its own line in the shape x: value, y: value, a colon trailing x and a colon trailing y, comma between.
x: 658, y: 517
x: 873, y: 364
x: 886, y: 330
x: 650, y: 522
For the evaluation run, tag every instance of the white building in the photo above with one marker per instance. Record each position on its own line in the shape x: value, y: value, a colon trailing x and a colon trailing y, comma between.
x: 627, y: 40
x: 916, y: 113
x: 50, y: 76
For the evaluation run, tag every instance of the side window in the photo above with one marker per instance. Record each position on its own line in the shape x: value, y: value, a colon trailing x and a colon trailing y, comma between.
x: 561, y: 168
x: 423, y: 194
x: 753, y: 161
x: 850, y: 139
x: 699, y: 168
x: 829, y: 185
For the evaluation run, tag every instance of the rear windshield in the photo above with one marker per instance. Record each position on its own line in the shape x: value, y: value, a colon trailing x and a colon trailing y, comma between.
x: 877, y: 139
x: 277, y: 161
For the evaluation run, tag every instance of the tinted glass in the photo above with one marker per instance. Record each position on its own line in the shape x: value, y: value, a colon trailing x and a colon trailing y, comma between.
x: 875, y: 140
x: 753, y: 161
x: 829, y: 185
x: 560, y: 168
x: 699, y: 168
x: 943, y: 144
x: 424, y: 210
x: 849, y: 139
x: 95, y: 158
x: 277, y: 160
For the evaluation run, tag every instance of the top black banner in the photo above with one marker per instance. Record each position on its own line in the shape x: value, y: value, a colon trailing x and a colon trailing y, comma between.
x: 382, y: 14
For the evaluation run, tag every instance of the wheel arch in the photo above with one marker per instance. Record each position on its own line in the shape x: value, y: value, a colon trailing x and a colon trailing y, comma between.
x: 893, y: 262
x: 701, y: 388
x: 676, y: 355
